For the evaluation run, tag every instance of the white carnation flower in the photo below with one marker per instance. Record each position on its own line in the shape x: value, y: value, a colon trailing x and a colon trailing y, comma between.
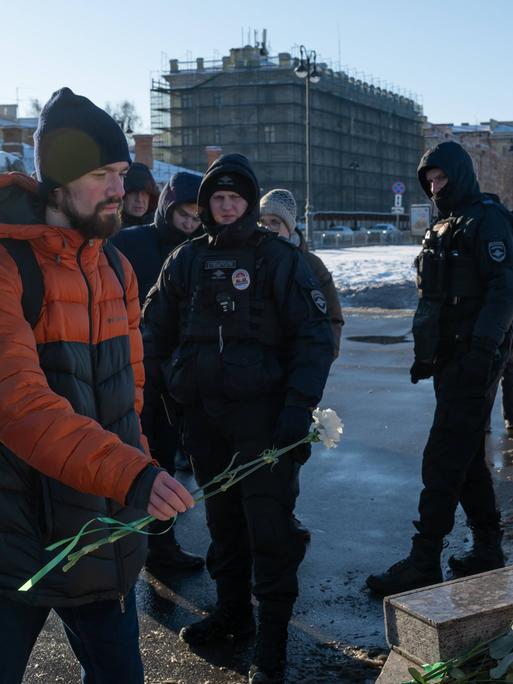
x: 329, y: 426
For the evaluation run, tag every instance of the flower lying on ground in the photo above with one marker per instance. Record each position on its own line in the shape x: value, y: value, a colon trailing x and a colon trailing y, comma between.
x: 327, y: 428
x: 328, y: 425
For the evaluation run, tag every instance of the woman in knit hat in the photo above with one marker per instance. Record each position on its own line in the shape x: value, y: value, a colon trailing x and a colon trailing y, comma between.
x: 278, y: 211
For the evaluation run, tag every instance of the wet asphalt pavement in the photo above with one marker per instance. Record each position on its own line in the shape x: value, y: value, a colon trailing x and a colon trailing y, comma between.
x: 358, y: 500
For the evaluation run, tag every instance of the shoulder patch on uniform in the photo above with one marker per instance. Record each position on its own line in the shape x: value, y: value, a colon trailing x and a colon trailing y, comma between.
x: 319, y: 300
x: 497, y: 250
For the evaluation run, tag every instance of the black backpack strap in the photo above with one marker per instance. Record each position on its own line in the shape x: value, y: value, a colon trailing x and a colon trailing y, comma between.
x: 31, y: 277
x: 114, y: 260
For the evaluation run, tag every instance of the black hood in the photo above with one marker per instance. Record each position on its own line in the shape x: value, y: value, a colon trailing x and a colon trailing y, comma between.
x: 228, y: 163
x: 181, y: 189
x: 137, y: 179
x: 462, y: 188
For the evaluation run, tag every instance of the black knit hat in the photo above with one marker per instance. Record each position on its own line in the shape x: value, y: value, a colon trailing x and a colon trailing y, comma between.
x: 231, y: 182
x: 74, y: 137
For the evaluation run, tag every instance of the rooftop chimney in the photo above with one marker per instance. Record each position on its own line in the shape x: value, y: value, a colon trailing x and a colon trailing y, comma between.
x: 144, y: 148
x: 213, y: 153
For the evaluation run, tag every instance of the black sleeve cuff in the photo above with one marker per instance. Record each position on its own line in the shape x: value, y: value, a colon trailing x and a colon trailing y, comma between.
x: 139, y: 493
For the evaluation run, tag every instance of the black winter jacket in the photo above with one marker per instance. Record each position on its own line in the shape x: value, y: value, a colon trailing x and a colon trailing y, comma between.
x: 148, y: 246
x: 278, y: 342
x: 476, y: 238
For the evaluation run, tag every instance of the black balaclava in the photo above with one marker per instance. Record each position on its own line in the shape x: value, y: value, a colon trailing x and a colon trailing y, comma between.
x: 74, y: 137
x: 230, y: 172
x: 462, y: 187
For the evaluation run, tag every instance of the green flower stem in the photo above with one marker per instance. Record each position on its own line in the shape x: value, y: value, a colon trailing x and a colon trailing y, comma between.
x: 442, y: 672
x: 227, y: 478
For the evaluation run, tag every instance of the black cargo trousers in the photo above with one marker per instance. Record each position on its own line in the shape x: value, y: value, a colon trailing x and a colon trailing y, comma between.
x: 454, y: 468
x: 250, y: 524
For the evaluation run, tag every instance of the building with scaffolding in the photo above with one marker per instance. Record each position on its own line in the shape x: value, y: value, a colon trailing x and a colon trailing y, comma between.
x: 363, y: 138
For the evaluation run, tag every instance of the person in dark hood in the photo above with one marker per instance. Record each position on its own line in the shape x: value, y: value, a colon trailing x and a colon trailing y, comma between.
x: 141, y: 196
x: 147, y: 247
x: 462, y: 335
x: 240, y: 319
x: 175, y: 221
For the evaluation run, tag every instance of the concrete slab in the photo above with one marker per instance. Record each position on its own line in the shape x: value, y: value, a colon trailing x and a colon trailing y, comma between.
x: 442, y: 621
x: 395, y: 669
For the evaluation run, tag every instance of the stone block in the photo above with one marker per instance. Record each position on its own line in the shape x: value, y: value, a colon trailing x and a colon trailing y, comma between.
x: 395, y: 669
x: 442, y: 621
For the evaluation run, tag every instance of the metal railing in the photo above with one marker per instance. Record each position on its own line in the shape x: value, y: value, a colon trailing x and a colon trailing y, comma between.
x: 362, y: 238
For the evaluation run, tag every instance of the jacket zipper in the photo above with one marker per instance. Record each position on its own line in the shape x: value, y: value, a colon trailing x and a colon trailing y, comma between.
x: 92, y: 352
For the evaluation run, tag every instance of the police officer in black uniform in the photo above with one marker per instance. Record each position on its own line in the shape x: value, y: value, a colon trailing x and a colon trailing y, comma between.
x: 462, y: 334
x: 243, y: 322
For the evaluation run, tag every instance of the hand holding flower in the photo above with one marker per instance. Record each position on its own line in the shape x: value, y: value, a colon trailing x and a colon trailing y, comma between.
x: 168, y: 497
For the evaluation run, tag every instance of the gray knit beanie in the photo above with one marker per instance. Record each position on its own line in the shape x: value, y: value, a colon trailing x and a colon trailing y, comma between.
x: 280, y: 203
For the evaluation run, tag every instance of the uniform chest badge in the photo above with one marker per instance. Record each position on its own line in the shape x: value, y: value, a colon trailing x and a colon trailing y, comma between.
x: 319, y: 300
x: 241, y: 279
x: 497, y: 251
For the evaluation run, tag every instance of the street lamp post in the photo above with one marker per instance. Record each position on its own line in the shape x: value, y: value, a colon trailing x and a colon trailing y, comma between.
x: 307, y: 69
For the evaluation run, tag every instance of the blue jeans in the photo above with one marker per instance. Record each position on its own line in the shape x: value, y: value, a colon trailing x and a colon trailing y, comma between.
x: 105, y: 640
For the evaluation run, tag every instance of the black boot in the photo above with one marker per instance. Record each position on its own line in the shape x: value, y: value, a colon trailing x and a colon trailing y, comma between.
x: 420, y: 569
x: 486, y: 554
x: 225, y: 621
x: 270, y: 658
x: 166, y: 554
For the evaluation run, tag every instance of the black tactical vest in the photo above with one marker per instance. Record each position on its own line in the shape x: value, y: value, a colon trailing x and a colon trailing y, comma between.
x: 231, y: 299
x: 447, y: 274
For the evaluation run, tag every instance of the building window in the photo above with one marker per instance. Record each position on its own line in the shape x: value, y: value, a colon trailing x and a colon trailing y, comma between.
x: 269, y: 134
x: 187, y: 136
x: 218, y: 99
x: 216, y: 136
x: 186, y: 101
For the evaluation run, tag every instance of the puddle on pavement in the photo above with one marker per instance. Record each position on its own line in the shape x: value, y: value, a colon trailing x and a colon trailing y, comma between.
x: 379, y: 339
x: 503, y: 463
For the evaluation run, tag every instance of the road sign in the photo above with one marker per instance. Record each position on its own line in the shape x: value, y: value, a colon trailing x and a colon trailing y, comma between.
x: 398, y: 201
x: 397, y: 210
x: 398, y: 188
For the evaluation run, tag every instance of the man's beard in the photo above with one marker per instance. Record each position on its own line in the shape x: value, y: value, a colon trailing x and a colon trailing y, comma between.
x: 94, y: 225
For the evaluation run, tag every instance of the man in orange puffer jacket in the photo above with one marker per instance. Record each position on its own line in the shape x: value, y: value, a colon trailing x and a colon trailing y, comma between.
x: 71, y: 446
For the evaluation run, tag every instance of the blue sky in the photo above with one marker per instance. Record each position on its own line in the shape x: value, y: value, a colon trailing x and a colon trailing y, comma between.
x: 455, y: 55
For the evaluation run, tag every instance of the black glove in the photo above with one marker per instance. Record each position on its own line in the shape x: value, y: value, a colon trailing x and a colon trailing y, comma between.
x: 476, y: 365
x: 420, y: 371
x: 292, y: 425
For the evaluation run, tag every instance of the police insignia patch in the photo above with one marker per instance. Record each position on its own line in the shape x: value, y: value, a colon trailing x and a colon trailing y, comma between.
x: 241, y: 279
x: 497, y: 250
x: 319, y: 300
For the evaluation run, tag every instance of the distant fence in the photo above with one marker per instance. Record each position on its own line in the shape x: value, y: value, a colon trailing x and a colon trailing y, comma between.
x: 360, y: 238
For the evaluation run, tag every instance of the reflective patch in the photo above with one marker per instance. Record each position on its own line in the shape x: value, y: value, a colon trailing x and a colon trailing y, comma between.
x: 497, y: 251
x: 241, y: 279
x: 319, y: 301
